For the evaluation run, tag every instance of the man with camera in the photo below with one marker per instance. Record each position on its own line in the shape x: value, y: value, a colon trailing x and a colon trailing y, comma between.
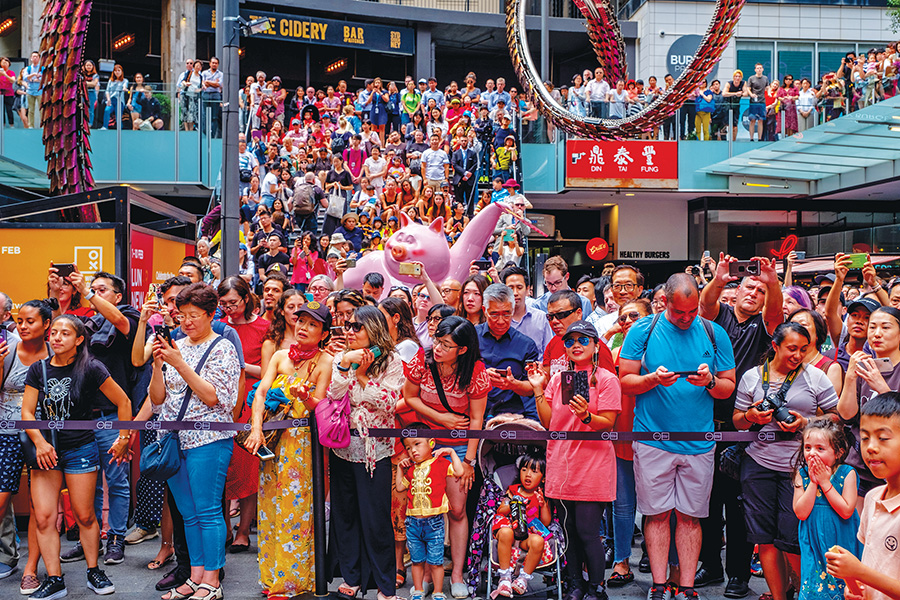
x: 749, y: 324
x: 676, y: 366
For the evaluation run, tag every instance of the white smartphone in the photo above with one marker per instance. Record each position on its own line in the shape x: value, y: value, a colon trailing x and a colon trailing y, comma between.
x: 264, y: 453
x: 884, y: 365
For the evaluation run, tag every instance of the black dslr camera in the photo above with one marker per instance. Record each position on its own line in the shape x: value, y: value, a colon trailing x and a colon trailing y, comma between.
x: 775, y: 402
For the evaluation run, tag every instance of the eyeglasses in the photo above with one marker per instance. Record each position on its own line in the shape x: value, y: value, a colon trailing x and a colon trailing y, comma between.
x: 435, y: 319
x: 560, y: 315
x: 447, y: 290
x: 355, y: 326
x: 634, y: 316
x: 422, y: 296
x: 623, y: 287
x: 227, y: 305
x: 445, y: 345
x: 582, y: 340
x: 317, y: 288
x: 500, y: 315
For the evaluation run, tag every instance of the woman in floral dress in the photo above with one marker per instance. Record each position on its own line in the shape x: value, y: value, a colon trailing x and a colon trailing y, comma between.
x: 285, y: 523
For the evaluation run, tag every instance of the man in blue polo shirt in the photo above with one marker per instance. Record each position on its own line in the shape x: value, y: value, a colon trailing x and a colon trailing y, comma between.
x: 505, y: 353
x: 673, y: 475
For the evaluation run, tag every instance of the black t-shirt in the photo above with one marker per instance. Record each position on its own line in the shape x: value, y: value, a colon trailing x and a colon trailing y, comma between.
x: 259, y: 239
x: 114, y: 352
x: 750, y: 340
x: 60, y: 404
x: 416, y: 147
x: 344, y: 177
x: 267, y: 260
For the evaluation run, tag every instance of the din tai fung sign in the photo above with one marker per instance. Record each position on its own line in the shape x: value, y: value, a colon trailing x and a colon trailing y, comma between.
x: 327, y: 32
x: 626, y: 163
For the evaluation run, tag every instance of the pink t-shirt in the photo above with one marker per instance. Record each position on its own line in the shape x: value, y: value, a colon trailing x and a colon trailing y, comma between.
x: 582, y: 470
x: 879, y: 530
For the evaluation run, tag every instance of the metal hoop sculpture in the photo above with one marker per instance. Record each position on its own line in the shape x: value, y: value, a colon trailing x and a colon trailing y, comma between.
x: 603, y: 31
x: 64, y: 102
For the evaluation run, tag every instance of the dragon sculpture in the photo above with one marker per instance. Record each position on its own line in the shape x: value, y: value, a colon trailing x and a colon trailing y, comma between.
x: 64, y: 104
x: 606, y: 39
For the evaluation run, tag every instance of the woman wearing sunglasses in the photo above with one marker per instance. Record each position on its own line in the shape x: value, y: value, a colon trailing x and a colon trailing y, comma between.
x: 584, y: 493
x: 625, y: 504
x: 370, y: 371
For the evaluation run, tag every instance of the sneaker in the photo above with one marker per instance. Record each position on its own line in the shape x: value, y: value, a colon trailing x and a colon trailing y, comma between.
x: 53, y: 587
x: 6, y: 570
x: 755, y: 566
x: 99, y: 582
x: 30, y: 584
x: 139, y: 534
x: 115, y: 550
x: 687, y: 594
x: 596, y: 592
x: 73, y: 555
x: 658, y: 592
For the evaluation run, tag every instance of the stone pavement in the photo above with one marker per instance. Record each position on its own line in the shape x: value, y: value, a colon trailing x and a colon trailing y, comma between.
x: 134, y: 581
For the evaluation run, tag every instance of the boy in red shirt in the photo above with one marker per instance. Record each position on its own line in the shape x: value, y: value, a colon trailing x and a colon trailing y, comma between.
x: 425, y: 475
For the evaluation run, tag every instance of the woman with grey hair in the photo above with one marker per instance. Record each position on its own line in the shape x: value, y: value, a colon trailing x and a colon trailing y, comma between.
x: 320, y: 286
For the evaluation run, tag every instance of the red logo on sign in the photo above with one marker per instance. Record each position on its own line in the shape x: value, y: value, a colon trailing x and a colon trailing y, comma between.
x: 597, y: 248
x: 627, y: 159
x: 787, y: 246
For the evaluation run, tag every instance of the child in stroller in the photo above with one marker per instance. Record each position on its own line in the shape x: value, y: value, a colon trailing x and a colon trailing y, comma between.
x: 521, y: 525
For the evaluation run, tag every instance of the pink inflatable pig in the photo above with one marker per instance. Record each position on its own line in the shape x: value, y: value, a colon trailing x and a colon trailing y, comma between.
x: 427, y: 244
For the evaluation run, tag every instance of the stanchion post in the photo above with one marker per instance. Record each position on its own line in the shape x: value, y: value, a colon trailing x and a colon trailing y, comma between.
x: 318, y: 473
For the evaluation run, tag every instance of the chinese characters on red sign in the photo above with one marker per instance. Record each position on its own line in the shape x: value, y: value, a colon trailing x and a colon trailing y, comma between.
x: 629, y: 163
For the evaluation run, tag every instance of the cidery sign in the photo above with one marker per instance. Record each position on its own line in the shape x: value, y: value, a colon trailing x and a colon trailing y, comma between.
x: 628, y: 163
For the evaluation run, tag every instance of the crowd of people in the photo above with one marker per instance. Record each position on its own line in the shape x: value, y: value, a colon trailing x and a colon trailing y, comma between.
x: 776, y: 108
x: 816, y: 505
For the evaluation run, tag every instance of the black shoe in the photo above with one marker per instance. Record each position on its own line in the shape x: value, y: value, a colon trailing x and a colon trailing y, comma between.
x: 115, y: 550
x: 644, y: 565
x: 72, y: 533
x: 736, y: 588
x: 596, y: 592
x: 173, y: 579
x: 99, y: 582
x: 75, y: 554
x: 705, y: 577
x: 609, y: 556
x: 53, y: 587
x: 575, y: 593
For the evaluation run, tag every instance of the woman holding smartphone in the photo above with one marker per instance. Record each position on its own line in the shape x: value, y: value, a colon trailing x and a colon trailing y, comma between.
x: 65, y: 387
x: 585, y: 493
x: 371, y: 372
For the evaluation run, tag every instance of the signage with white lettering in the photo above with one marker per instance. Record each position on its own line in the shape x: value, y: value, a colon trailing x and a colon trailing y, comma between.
x: 681, y: 53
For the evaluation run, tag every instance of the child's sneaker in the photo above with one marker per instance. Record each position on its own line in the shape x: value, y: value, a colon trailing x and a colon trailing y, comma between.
x: 417, y: 595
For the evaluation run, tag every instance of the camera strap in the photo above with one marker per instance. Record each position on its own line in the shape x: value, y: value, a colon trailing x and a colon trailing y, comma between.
x: 782, y: 393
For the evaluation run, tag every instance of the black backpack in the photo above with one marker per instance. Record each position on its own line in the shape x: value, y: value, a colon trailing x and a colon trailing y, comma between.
x: 304, y: 199
x: 338, y: 145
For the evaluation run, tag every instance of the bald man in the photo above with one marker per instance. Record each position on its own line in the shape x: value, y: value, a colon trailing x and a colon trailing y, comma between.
x: 450, y: 291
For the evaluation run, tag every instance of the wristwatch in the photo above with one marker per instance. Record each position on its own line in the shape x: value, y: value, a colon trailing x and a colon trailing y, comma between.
x: 711, y: 384
x: 90, y: 294
x: 470, y: 461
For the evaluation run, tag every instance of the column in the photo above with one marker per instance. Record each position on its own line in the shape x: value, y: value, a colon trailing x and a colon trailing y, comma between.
x: 423, y: 59
x: 30, y: 27
x: 179, y: 37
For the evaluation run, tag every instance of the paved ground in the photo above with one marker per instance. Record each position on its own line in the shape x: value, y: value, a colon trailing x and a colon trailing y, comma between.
x: 134, y: 581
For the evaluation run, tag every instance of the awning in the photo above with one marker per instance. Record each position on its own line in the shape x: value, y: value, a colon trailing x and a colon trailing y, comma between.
x: 826, y: 265
x: 861, y: 148
x: 16, y: 174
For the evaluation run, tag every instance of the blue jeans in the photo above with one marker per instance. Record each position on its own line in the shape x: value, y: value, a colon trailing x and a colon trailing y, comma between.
x: 116, y: 481
x: 197, y: 489
x: 425, y: 539
x: 623, y: 510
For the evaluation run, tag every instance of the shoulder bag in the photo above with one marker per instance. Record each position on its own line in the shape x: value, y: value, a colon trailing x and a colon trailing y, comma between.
x: 333, y: 422
x: 28, y: 447
x: 439, y: 386
x: 162, y: 459
x: 336, y: 202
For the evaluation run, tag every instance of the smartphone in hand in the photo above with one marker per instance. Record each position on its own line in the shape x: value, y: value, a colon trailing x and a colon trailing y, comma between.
x: 574, y: 383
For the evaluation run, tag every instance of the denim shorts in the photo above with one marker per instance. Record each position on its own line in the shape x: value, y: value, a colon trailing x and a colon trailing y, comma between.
x: 460, y: 450
x: 80, y: 460
x: 425, y: 539
x: 757, y: 111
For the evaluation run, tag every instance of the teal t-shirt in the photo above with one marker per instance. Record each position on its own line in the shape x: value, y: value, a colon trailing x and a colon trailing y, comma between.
x: 681, y: 406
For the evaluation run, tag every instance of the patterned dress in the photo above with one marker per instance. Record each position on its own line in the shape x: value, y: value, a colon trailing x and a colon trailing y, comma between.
x: 285, y: 517
x: 823, y: 529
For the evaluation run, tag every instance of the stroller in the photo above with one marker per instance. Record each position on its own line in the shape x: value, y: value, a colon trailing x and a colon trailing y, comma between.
x: 497, y: 461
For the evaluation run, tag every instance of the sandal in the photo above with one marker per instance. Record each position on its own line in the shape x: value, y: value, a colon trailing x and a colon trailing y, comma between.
x: 519, y: 585
x: 766, y: 596
x: 213, y: 593
x: 401, y: 577
x: 617, y: 579
x: 504, y: 589
x: 174, y: 594
x: 156, y: 563
x: 348, y: 591
x: 381, y: 596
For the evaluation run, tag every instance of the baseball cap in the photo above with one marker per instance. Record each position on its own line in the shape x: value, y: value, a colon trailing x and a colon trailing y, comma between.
x: 867, y: 303
x: 423, y: 80
x: 317, y: 311
x: 827, y: 278
x: 584, y: 328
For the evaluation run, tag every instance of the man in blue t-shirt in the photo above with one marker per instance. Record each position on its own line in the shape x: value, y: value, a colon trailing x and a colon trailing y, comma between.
x: 675, y: 475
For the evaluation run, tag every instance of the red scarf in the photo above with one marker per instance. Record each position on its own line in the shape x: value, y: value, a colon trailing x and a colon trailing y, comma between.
x: 297, y: 355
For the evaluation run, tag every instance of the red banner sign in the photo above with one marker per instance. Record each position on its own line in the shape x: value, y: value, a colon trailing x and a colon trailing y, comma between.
x: 153, y: 260
x: 597, y: 248
x: 628, y: 163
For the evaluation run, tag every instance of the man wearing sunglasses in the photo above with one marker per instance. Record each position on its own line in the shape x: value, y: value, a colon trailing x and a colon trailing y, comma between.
x: 749, y: 323
x: 563, y: 309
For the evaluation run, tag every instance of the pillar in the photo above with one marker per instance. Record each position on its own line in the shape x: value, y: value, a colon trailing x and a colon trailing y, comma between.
x: 30, y: 27
x: 179, y: 37
x: 424, y: 58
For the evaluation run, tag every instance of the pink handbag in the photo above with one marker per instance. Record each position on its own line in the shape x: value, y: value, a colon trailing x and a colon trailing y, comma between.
x: 333, y: 422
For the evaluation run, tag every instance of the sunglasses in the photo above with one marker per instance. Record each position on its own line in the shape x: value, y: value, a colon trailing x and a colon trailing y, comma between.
x: 560, y: 315
x: 633, y: 316
x: 354, y: 326
x: 582, y: 340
